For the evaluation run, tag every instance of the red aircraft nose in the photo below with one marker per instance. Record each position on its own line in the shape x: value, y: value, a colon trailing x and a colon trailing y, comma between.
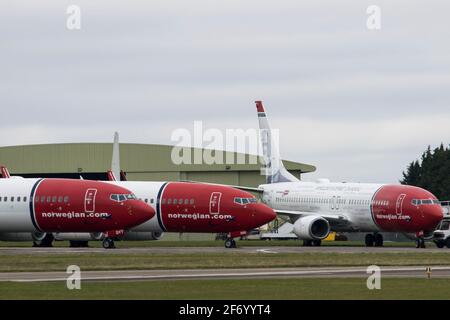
x: 263, y: 215
x: 432, y: 215
x: 138, y: 213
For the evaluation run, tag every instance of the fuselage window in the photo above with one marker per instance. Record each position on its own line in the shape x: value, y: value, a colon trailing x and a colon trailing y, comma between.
x: 5, y: 199
x: 151, y: 200
x: 60, y: 199
x: 175, y: 201
x: 24, y: 199
x: 12, y: 199
x: 191, y: 201
x: 18, y: 199
x: 163, y: 201
x: 66, y: 199
x: 169, y: 201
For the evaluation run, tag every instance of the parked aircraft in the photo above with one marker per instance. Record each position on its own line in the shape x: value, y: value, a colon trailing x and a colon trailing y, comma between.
x: 315, y: 208
x: 40, y: 207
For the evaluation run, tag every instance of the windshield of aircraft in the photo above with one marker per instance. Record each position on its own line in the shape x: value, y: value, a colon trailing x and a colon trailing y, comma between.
x: 123, y: 197
x: 245, y: 200
x: 417, y: 202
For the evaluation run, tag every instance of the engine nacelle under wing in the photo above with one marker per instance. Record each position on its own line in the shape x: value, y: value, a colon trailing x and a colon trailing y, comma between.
x: 311, y: 228
x: 79, y: 236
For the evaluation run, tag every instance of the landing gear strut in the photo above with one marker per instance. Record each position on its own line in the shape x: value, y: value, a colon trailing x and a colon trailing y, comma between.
x: 108, y: 243
x: 420, y: 243
x: 230, y: 243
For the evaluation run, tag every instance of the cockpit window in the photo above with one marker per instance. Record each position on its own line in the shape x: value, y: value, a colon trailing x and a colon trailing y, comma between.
x: 245, y: 200
x: 122, y: 197
x: 418, y: 202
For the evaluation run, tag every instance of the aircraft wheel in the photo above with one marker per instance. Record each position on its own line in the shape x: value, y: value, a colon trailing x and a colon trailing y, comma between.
x: 369, y: 240
x: 420, y: 243
x: 230, y: 243
x: 307, y: 243
x: 108, y: 243
x: 46, y: 242
x: 378, y: 238
x: 317, y: 243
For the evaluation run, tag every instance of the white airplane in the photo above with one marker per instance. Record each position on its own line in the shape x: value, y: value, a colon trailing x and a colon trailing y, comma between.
x: 316, y: 208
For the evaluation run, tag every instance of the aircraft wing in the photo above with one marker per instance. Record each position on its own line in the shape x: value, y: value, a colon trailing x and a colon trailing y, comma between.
x: 332, y: 219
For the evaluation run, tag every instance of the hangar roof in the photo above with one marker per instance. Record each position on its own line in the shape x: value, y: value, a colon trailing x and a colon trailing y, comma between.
x: 96, y: 157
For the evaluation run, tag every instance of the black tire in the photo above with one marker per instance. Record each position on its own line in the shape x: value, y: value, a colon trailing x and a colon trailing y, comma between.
x: 369, y: 240
x: 108, y: 243
x: 440, y: 244
x: 47, y: 242
x: 229, y: 243
x: 307, y: 243
x: 378, y: 240
x: 447, y: 242
x: 422, y: 244
x: 317, y: 243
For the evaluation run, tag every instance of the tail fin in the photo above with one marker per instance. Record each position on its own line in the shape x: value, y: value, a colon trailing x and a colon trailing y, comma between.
x: 4, y: 172
x: 115, y: 163
x: 275, y: 170
x: 115, y: 174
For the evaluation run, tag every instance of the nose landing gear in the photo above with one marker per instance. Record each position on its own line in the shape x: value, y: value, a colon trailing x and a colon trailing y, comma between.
x: 230, y: 243
x: 420, y: 242
x: 108, y: 243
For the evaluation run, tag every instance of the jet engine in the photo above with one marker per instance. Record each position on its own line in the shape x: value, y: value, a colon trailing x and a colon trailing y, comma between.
x: 311, y: 228
x: 79, y: 236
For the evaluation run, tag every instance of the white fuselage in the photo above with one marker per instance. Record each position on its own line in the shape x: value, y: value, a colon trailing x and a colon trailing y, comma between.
x: 353, y: 200
x: 15, y: 205
x: 146, y: 191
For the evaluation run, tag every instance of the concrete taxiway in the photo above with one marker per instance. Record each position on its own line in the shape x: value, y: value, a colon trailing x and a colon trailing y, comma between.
x: 185, y: 250
x: 147, y: 275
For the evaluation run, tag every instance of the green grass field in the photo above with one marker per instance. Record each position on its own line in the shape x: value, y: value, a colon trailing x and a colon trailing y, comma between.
x: 281, y: 289
x: 232, y: 259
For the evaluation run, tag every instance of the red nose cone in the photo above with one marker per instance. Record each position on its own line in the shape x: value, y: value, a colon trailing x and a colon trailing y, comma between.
x: 264, y: 215
x: 138, y: 213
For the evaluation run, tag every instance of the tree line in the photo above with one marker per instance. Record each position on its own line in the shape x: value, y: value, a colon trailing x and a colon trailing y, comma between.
x: 431, y: 172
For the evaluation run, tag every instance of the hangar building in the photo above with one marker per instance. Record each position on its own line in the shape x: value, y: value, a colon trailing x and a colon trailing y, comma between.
x: 140, y: 161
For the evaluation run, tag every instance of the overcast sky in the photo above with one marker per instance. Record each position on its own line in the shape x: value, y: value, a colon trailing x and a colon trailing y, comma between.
x: 359, y: 104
